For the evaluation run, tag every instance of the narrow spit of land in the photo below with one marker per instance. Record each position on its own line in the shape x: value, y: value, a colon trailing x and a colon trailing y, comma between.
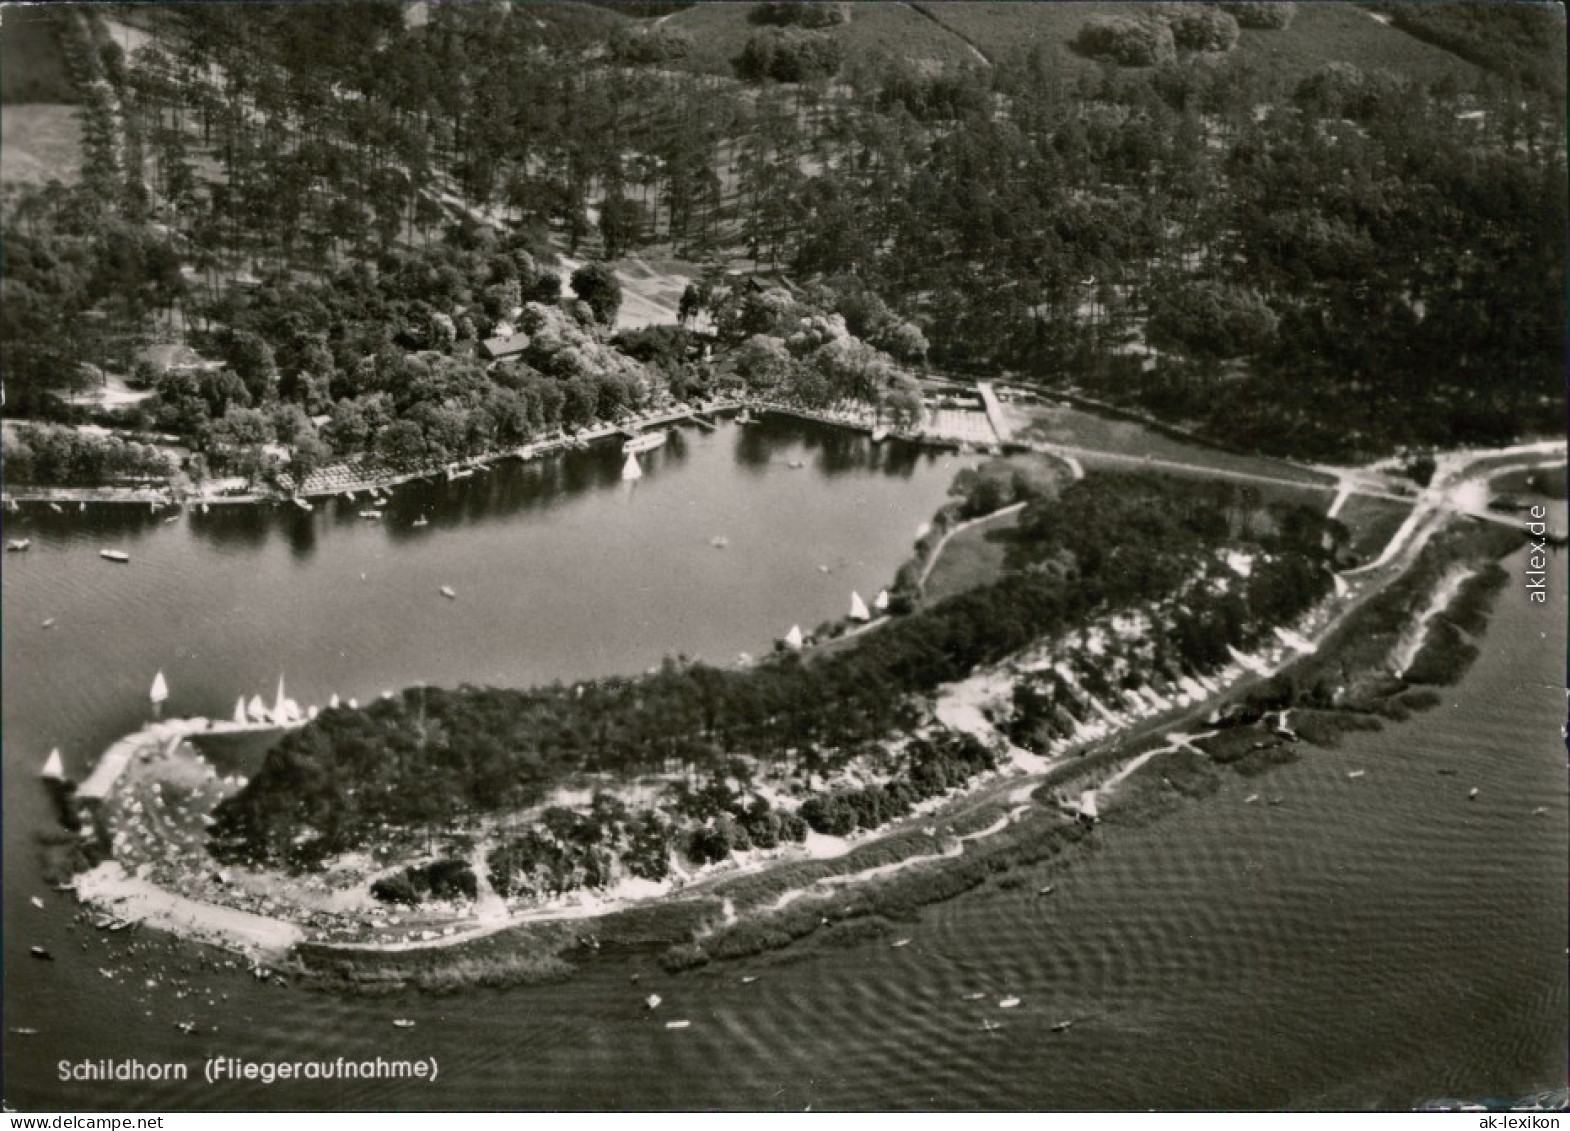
x: 960, y: 706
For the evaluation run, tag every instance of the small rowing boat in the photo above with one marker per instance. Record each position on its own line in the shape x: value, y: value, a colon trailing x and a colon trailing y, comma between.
x: 402, y: 1023
x: 18, y: 545
x: 115, y: 556
x: 447, y: 591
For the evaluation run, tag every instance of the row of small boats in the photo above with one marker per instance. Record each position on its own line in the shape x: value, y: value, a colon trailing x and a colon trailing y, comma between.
x: 795, y: 640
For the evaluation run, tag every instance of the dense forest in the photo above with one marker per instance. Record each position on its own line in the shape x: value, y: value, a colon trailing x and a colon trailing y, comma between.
x: 434, y: 758
x: 338, y: 203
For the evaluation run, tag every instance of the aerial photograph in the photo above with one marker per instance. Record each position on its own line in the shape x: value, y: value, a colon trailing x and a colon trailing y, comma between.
x: 784, y: 555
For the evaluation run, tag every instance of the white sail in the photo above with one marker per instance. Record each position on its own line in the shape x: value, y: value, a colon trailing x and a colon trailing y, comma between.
x: 256, y: 709
x: 160, y: 690
x: 54, y: 766
x: 793, y: 637
x: 239, y: 709
x: 1087, y: 805
x: 882, y: 601
x: 630, y: 469
x: 858, y: 607
x: 333, y: 702
x: 280, y: 704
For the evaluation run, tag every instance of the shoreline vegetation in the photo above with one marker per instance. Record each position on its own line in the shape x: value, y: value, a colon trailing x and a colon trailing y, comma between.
x: 945, y: 750
x: 244, y: 297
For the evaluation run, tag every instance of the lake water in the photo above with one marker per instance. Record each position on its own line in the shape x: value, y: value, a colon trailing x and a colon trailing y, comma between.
x: 1369, y: 943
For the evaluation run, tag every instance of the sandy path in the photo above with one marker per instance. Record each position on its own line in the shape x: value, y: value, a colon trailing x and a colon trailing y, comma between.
x: 124, y: 894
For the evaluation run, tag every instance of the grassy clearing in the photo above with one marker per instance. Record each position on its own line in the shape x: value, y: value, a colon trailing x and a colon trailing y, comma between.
x: 1320, y: 34
x: 1373, y: 522
x: 32, y: 65
x: 39, y: 143
x: 1544, y: 481
x: 972, y: 557
x: 1345, y: 33
x: 1076, y: 428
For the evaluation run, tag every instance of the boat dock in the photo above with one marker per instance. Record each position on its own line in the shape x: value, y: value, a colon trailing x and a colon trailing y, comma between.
x: 995, y: 414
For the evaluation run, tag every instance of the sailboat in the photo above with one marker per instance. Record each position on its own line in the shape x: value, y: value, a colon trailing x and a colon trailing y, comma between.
x: 793, y: 637
x: 160, y: 690
x: 630, y: 469
x: 239, y: 710
x: 54, y: 766
x: 1087, y: 806
x: 858, y: 607
x: 333, y: 702
x: 285, y: 710
x: 881, y: 602
x: 257, y: 709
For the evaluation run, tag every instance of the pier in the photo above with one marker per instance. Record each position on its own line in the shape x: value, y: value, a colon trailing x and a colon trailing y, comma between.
x: 994, y: 408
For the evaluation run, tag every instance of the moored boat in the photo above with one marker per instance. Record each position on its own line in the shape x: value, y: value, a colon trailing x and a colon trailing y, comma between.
x: 630, y: 469
x: 115, y: 556
x: 646, y: 442
x: 448, y: 592
x: 372, y: 514
x: 18, y: 545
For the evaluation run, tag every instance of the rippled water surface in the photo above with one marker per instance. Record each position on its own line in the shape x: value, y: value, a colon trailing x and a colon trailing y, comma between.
x: 1370, y: 942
